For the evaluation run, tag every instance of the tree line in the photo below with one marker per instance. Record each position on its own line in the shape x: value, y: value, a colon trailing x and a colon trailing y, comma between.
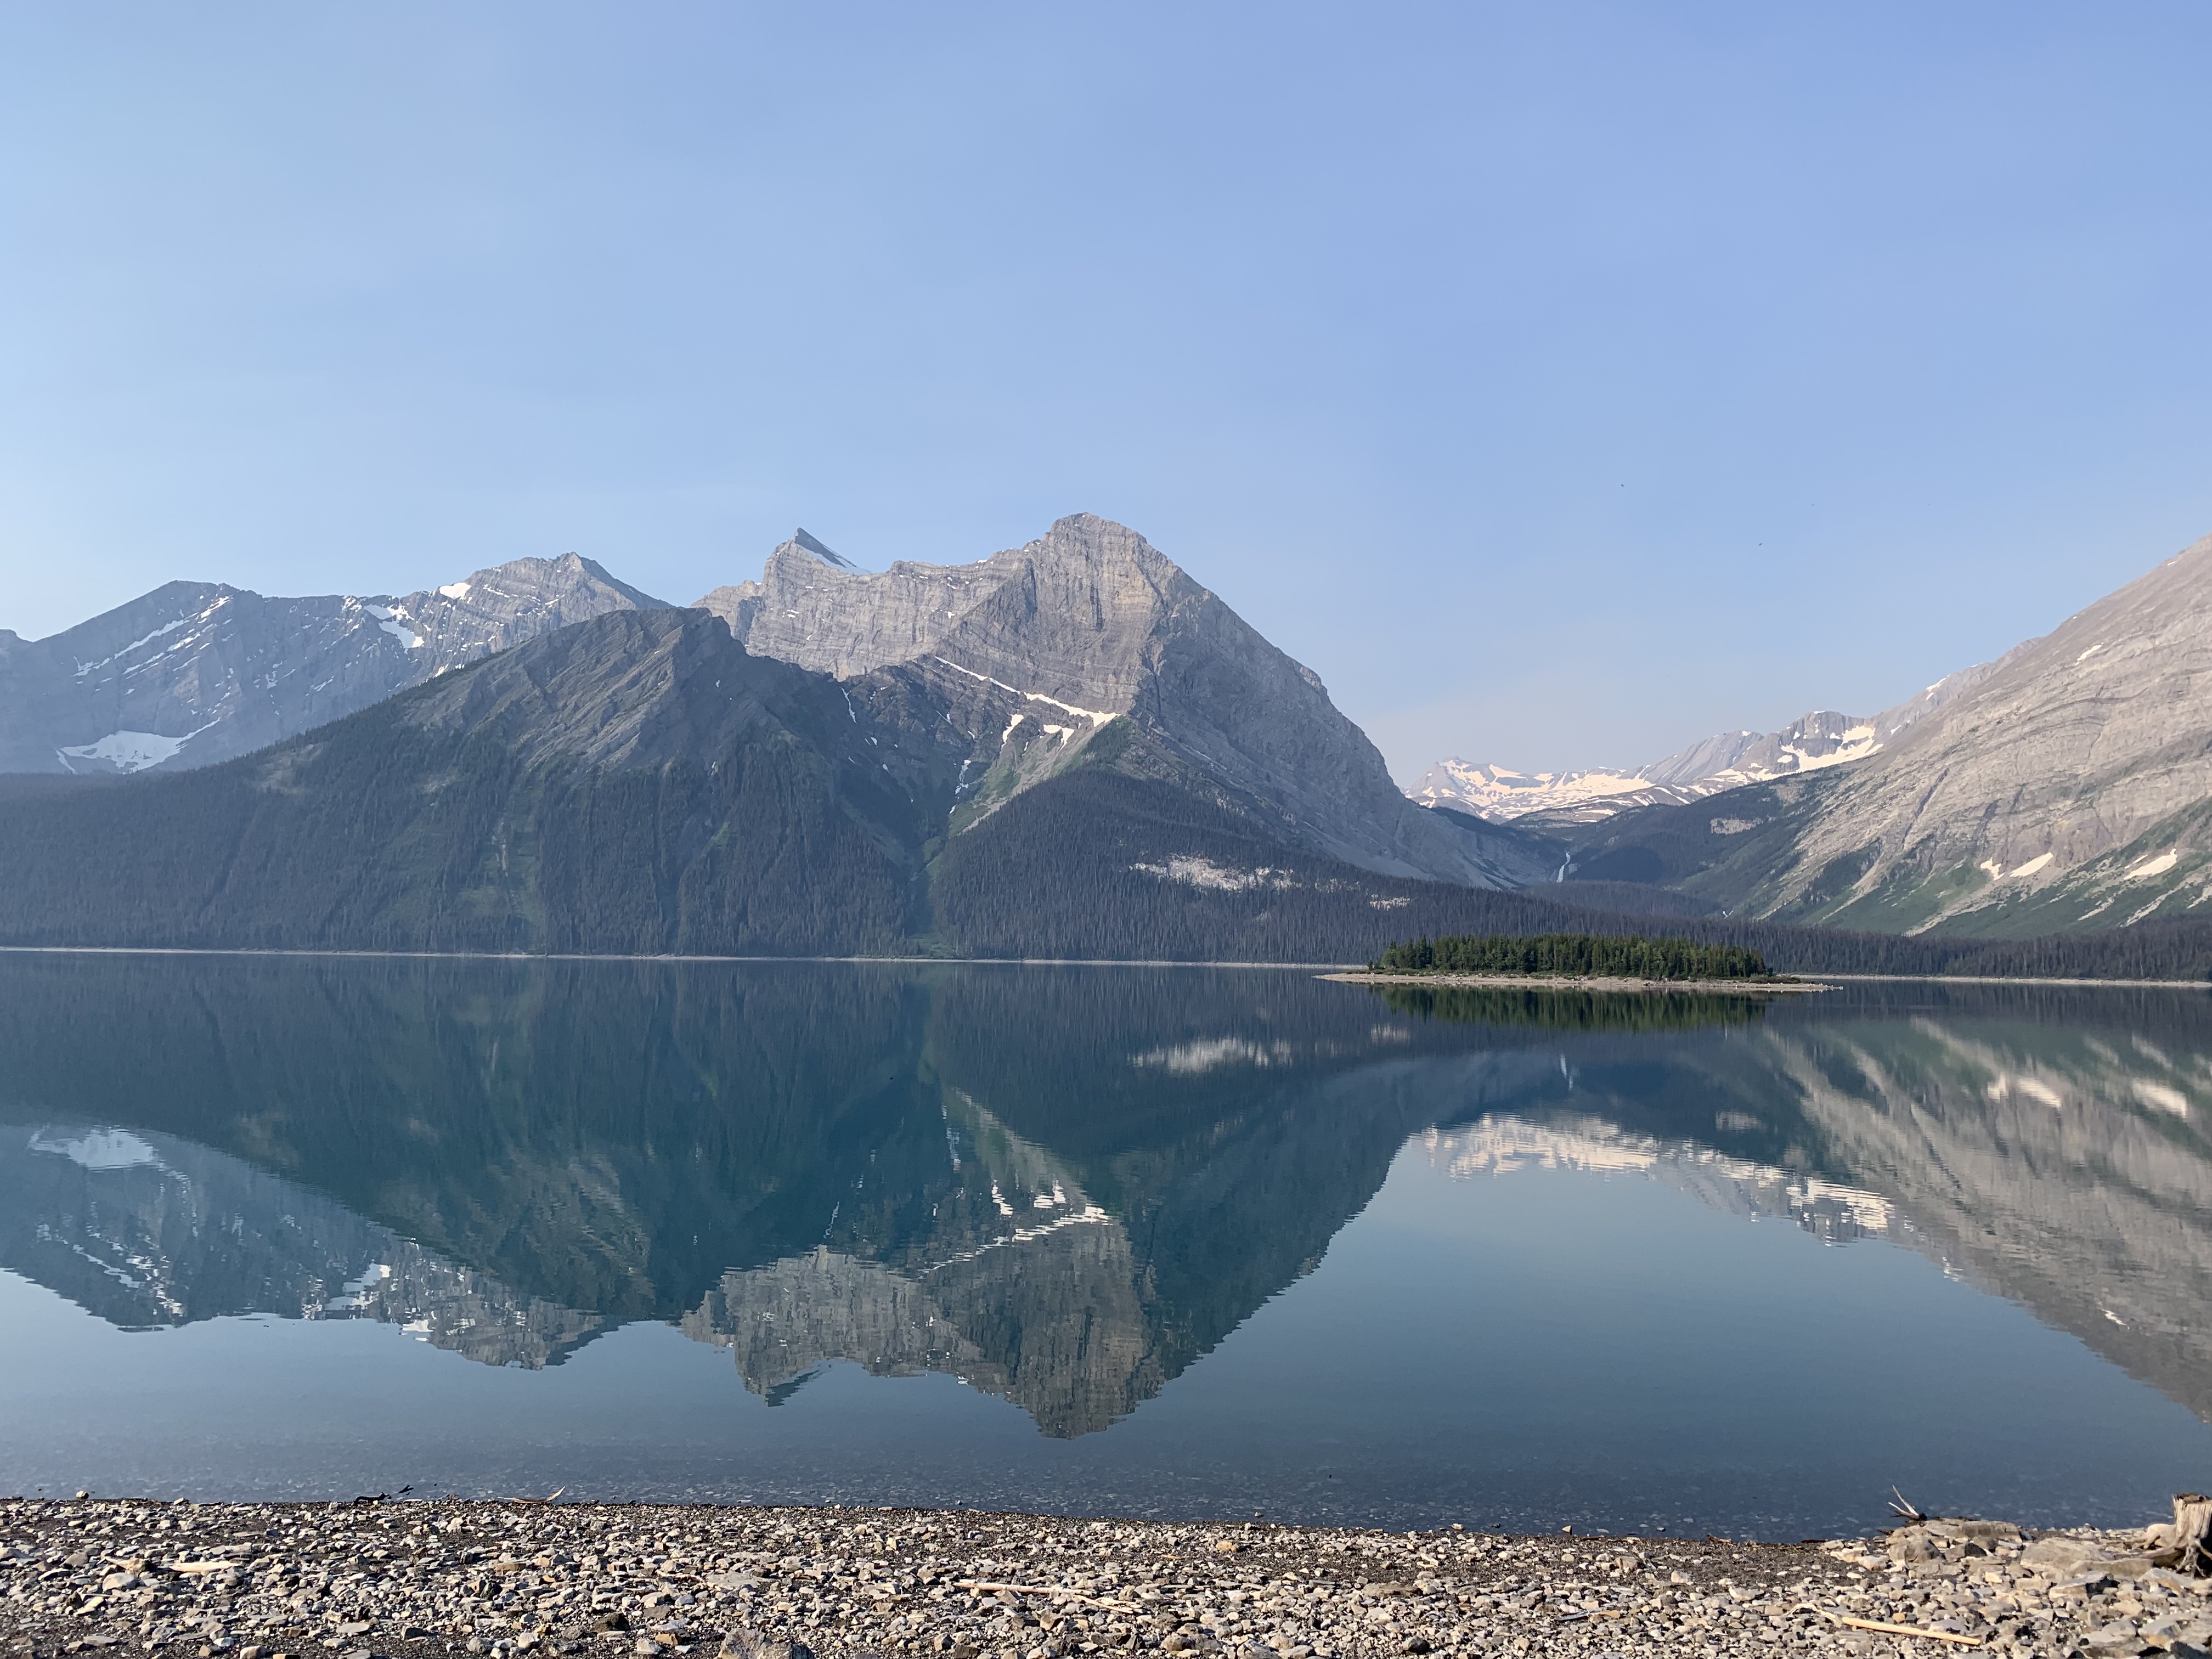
x: 1589, y: 956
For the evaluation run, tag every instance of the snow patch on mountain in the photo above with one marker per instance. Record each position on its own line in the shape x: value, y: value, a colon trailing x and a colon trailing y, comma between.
x: 391, y: 619
x: 1096, y: 717
x: 127, y: 751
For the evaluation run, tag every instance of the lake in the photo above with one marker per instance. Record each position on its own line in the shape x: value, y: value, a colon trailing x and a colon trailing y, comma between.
x: 1188, y: 1243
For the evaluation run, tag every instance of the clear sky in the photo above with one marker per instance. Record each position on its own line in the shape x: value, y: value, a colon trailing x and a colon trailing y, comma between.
x: 1562, y: 381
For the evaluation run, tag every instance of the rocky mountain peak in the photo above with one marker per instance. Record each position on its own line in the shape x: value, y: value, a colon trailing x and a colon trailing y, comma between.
x: 196, y: 672
x: 1040, y: 647
x: 820, y: 549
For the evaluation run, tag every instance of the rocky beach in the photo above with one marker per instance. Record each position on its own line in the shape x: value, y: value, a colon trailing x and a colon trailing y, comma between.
x: 411, y: 1580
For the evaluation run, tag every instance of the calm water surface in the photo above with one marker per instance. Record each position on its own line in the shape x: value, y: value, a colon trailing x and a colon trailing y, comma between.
x: 1183, y: 1243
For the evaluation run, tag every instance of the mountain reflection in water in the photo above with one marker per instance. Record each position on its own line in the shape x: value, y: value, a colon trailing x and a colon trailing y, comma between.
x: 1060, y: 1185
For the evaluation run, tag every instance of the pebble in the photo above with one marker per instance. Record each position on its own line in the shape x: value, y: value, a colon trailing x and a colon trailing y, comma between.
x: 384, y: 1580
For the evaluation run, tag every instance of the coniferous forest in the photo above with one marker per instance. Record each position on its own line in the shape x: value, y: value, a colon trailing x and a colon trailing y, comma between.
x: 1592, y: 955
x: 336, y: 842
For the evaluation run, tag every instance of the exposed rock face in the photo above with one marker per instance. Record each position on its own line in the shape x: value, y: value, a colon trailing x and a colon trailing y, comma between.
x: 196, y: 672
x: 1728, y: 760
x: 1089, y: 626
x: 2068, y: 786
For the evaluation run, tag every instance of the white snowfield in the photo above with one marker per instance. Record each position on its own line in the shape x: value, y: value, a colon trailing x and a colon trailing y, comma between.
x: 127, y: 751
x: 1814, y: 742
x: 1095, y: 716
x: 391, y: 619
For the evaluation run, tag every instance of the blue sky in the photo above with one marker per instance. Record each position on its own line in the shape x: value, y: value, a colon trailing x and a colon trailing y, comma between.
x: 1562, y: 382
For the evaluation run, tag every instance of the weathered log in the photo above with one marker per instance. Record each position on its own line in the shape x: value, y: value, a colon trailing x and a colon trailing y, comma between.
x: 2192, y: 1534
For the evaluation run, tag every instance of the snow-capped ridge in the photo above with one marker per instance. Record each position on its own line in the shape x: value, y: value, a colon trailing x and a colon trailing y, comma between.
x: 1728, y: 760
x: 236, y: 671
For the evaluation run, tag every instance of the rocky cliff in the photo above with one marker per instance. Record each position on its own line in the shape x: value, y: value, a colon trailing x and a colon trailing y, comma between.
x: 1043, y: 650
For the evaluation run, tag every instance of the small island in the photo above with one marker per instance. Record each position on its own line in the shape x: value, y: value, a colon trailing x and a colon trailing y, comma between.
x: 1588, y: 962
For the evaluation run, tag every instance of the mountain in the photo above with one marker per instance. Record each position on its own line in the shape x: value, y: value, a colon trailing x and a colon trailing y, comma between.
x: 2070, y: 787
x: 1091, y: 636
x: 641, y: 783
x: 1728, y: 760
x: 635, y: 782
x: 196, y: 672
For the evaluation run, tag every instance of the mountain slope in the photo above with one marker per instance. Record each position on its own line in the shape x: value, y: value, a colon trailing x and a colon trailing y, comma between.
x: 2070, y: 787
x: 1089, y: 626
x: 196, y: 672
x: 636, y: 782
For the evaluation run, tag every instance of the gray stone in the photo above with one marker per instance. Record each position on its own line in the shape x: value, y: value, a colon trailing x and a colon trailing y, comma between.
x: 754, y: 1644
x: 2063, y: 1553
x: 2120, y: 1637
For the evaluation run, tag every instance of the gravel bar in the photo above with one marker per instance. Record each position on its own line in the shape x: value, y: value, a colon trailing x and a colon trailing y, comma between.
x: 412, y: 1580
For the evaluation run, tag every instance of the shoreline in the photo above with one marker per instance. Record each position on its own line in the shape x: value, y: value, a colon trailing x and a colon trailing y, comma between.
x: 411, y: 1580
x: 1349, y: 971
x: 1738, y: 987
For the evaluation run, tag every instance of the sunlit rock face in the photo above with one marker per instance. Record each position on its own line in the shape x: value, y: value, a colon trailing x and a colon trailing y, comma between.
x: 2065, y: 786
x: 196, y: 672
x: 1040, y: 651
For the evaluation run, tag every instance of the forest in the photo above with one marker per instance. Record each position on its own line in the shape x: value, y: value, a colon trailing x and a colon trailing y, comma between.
x: 1584, y: 956
x: 372, y: 834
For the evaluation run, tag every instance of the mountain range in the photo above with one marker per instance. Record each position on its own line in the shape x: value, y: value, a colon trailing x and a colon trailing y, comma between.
x: 1071, y: 748
x: 2070, y: 785
x: 196, y: 672
x: 1728, y: 760
x: 1068, y: 749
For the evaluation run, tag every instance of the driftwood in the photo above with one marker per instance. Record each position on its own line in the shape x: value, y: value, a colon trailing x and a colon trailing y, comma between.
x: 2192, y: 1534
x: 1892, y: 1630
